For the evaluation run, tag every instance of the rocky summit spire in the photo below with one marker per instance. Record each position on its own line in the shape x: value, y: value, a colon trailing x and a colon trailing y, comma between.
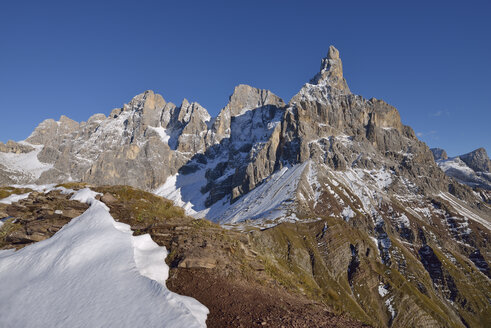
x: 331, y: 72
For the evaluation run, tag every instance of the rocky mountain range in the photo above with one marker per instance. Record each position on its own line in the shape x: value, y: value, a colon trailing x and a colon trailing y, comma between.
x: 359, y: 214
x: 472, y: 169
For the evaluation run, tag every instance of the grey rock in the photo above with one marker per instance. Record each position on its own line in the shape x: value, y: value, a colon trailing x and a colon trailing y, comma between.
x: 439, y: 153
x: 477, y: 160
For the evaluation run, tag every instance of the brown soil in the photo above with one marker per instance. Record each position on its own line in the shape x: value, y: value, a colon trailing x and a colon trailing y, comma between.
x: 238, y: 303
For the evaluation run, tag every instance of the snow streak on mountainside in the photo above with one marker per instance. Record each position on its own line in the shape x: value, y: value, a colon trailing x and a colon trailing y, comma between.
x: 26, y: 167
x: 92, y: 273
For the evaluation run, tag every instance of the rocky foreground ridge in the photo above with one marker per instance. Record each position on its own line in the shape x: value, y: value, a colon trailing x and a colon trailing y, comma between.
x: 360, y: 215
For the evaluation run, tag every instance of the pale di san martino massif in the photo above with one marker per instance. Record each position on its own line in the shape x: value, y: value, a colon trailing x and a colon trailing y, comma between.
x: 328, y: 200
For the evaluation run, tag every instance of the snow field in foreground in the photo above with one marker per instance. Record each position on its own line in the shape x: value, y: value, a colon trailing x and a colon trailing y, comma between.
x: 92, y: 273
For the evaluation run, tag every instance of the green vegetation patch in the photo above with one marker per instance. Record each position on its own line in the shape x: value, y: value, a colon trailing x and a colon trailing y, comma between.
x: 73, y: 185
x: 7, y: 191
x: 6, y: 229
x: 143, y: 206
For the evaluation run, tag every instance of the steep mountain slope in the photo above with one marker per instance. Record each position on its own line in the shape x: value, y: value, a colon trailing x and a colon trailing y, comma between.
x: 359, y: 214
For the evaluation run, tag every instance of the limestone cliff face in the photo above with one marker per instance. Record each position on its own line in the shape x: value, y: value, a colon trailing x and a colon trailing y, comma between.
x: 253, y: 136
x: 324, y: 122
x: 243, y: 99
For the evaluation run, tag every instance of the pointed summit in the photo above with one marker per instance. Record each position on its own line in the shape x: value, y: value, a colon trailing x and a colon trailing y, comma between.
x: 331, y: 72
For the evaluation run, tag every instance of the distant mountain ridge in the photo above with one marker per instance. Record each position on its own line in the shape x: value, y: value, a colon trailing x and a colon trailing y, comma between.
x: 416, y: 235
x: 472, y: 169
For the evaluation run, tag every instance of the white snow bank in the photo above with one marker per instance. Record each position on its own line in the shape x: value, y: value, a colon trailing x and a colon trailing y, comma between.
x: 85, y: 195
x: 348, y: 213
x: 14, y: 198
x: 92, y: 273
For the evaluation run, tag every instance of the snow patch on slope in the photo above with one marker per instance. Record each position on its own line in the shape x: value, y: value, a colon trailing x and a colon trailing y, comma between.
x: 270, y: 200
x: 14, y: 198
x: 92, y: 273
x: 26, y: 164
x: 185, y: 190
x: 39, y: 188
x: 457, y: 169
x: 382, y: 290
x: 463, y: 210
x: 162, y: 132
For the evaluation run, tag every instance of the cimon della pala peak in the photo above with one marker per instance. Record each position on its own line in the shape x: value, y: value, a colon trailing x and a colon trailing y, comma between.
x: 391, y: 239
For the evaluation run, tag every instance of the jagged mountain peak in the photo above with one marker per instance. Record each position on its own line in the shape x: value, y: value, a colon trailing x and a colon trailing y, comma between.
x: 244, y: 99
x: 331, y: 73
x: 185, y: 103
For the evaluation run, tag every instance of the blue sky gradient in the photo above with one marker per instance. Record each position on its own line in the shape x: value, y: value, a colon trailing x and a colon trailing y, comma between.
x: 429, y: 59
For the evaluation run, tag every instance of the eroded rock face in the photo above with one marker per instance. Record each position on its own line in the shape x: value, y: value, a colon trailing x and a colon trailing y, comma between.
x: 255, y: 135
x: 140, y: 144
x: 37, y: 218
x: 244, y: 99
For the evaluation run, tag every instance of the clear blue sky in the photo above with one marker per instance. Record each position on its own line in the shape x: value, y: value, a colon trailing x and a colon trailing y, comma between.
x: 430, y: 59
